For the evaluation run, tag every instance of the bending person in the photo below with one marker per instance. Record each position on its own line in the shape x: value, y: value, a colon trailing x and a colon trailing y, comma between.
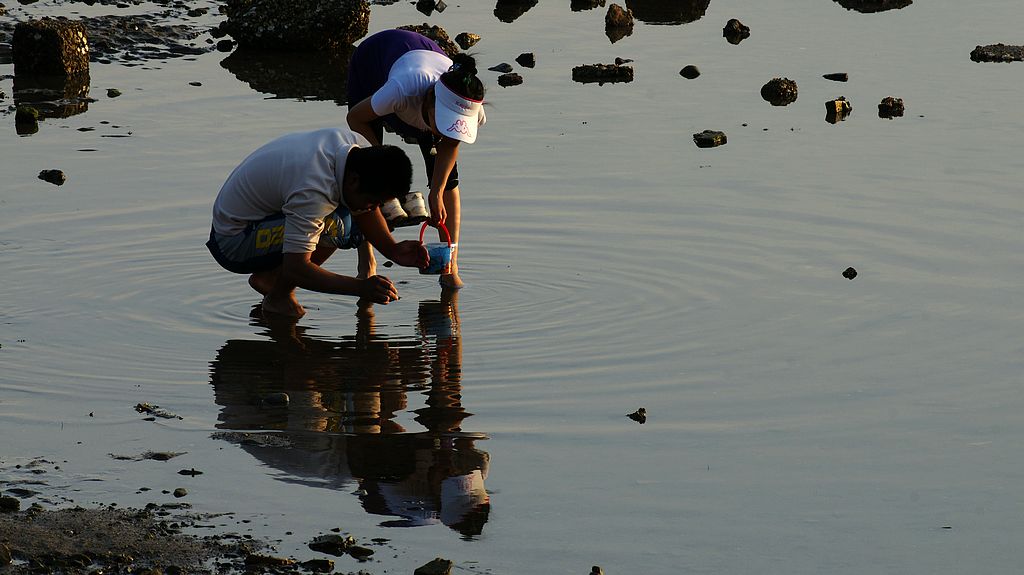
x: 291, y: 203
x: 405, y: 80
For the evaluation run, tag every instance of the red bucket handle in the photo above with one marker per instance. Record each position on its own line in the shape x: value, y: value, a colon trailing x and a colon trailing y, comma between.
x: 439, y: 225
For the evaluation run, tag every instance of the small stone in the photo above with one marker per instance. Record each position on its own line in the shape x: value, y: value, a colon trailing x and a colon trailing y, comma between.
x: 510, y: 79
x: 318, y: 565
x: 689, y: 72
x: 837, y: 110
x: 180, y: 492
x: 275, y: 400
x: 503, y: 68
x: 389, y: 263
x: 709, y: 139
x: 779, y: 91
x: 360, y: 553
x: 436, y: 566
x: 192, y: 472
x: 467, y: 40
x: 618, y: 17
x: 639, y: 416
x: 55, y: 177
x: 596, y: 570
x: 9, y: 504
x: 332, y: 544
x: 225, y: 45
x: 849, y: 273
x: 735, y: 32
x: 195, y: 83
x: 890, y: 108
x: 113, y: 92
x: 837, y: 77
x: 526, y: 60
x: 621, y: 61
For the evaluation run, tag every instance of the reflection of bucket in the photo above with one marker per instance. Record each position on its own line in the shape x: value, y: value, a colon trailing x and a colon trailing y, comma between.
x: 440, y: 253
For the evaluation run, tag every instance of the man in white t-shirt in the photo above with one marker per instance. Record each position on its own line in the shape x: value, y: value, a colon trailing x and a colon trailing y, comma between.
x: 290, y: 204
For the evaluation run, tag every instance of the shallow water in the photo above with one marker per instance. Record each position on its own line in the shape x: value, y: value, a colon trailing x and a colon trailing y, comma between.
x: 798, y: 422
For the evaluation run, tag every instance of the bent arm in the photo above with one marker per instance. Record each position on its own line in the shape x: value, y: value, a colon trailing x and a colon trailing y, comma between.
x: 409, y: 253
x: 299, y: 270
x: 360, y: 119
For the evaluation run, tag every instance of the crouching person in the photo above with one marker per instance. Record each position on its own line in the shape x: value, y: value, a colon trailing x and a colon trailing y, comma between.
x: 294, y: 201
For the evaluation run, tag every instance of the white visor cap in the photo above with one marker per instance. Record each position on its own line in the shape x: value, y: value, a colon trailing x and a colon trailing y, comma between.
x: 457, y: 117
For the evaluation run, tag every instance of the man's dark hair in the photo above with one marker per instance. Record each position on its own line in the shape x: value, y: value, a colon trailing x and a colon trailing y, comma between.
x: 385, y: 171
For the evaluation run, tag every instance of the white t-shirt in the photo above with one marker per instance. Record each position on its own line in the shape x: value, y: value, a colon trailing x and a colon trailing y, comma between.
x: 411, y: 76
x: 299, y: 175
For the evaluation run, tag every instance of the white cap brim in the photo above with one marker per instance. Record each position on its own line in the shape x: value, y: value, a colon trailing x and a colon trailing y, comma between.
x: 456, y: 117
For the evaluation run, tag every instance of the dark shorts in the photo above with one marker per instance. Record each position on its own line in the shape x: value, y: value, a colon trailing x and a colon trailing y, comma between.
x: 258, y: 247
x: 368, y: 71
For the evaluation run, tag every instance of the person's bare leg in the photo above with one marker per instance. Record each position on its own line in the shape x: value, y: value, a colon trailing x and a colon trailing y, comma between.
x: 453, y: 221
x: 263, y: 281
x: 280, y: 298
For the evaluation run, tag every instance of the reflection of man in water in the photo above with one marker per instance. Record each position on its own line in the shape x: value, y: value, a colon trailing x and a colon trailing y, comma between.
x: 341, y: 425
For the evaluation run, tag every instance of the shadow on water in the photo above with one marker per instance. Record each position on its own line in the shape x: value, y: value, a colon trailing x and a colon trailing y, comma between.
x: 661, y: 12
x: 305, y: 75
x: 340, y: 426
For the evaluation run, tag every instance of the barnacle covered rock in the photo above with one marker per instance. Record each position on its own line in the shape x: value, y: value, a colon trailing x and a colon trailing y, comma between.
x: 296, y: 25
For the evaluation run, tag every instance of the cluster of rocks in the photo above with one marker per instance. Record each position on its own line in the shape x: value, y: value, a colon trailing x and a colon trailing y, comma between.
x: 602, y: 73
x: 998, y: 53
x: 295, y: 26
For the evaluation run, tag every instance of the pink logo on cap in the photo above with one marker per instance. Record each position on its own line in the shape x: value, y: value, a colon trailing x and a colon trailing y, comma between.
x: 460, y: 126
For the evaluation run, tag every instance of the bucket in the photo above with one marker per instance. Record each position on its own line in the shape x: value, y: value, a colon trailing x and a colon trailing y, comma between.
x: 440, y: 252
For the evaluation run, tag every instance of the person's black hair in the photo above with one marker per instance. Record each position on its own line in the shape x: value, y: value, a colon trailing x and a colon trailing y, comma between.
x: 385, y: 171
x: 461, y: 78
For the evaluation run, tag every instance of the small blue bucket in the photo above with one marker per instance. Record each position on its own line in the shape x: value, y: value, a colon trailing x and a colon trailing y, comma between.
x: 440, y: 252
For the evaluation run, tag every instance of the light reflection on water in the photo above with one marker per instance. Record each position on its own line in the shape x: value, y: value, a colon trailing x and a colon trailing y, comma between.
x: 797, y: 421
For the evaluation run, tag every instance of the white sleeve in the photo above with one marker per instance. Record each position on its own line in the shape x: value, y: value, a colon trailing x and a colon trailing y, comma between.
x: 304, y: 213
x: 385, y: 100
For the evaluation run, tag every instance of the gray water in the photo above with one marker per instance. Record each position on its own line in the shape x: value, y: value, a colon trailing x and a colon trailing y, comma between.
x: 798, y: 422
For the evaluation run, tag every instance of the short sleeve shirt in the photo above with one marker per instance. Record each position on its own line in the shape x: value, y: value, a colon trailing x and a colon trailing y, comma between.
x: 409, y: 80
x: 299, y: 175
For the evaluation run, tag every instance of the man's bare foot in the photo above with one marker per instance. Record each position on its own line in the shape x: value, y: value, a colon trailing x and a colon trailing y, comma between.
x: 283, y: 306
x: 451, y: 281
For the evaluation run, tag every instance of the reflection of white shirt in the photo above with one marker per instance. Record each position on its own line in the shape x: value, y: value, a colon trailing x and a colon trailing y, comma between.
x: 298, y: 175
x: 411, y: 76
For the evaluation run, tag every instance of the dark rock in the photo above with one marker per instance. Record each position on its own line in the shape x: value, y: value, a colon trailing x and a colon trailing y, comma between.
x: 275, y: 400
x: 998, y: 53
x: 55, y: 177
x: 618, y: 17
x: 526, y: 60
x: 332, y: 544
x: 50, y: 47
x: 837, y: 110
x: 779, y: 91
x: 662, y: 12
x: 869, y: 6
x: 890, y: 108
x: 9, y: 504
x: 639, y: 416
x: 259, y: 561
x: 318, y: 565
x: 596, y: 570
x: 436, y: 566
x: 849, y: 273
x: 618, y: 23
x: 837, y: 77
x: 503, y: 68
x: 113, y: 92
x: 180, y: 492
x: 735, y: 32
x: 580, y: 5
x: 689, y: 72
x: 602, y: 73
x: 467, y: 40
x: 26, y: 115
x: 508, y: 10
x: 190, y: 472
x: 225, y: 45
x: 709, y: 139
x: 435, y: 33
x: 510, y: 79
x: 296, y: 25
x: 427, y: 7
x: 621, y: 61
x: 359, y: 552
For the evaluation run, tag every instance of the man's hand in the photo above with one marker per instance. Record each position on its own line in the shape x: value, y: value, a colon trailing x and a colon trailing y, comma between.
x: 378, y: 289
x: 410, y: 254
x: 437, y: 213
